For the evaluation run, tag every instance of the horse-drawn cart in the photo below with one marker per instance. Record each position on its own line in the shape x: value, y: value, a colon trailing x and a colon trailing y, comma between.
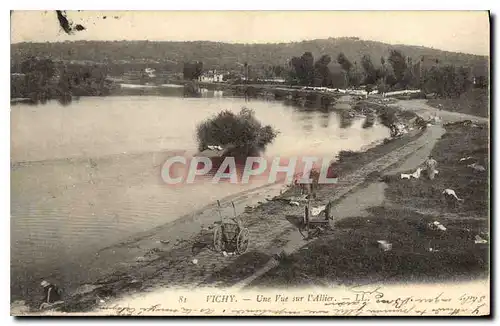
x: 230, y: 235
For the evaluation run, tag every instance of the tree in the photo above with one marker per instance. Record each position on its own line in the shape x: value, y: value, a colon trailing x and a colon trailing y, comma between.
x: 463, y: 79
x: 344, y: 62
x: 303, y: 69
x: 242, y: 131
x: 308, y: 64
x: 447, y: 81
x: 371, y: 74
x: 382, y: 86
x: 38, y: 75
x: 322, y: 74
x: 481, y: 82
x: 337, y: 79
x: 278, y: 71
x: 45, y: 68
x: 399, y: 66
x: 83, y: 80
x: 192, y: 70
x: 346, y: 66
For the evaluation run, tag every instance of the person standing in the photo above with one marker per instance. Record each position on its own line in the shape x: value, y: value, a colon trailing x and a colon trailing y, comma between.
x: 431, y: 165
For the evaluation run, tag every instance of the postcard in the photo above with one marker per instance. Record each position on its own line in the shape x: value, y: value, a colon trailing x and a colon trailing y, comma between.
x: 250, y: 163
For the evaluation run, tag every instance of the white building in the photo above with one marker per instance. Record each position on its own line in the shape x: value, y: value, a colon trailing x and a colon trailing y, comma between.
x: 150, y: 72
x: 211, y: 76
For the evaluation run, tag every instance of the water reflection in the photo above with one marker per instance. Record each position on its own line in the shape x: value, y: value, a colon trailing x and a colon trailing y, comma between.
x: 307, y: 122
x: 325, y: 119
x: 369, y: 120
x: 346, y: 118
x: 320, y: 102
x: 192, y: 90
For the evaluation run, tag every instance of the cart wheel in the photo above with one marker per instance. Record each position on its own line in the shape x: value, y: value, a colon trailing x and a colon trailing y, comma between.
x: 218, y: 239
x: 243, y: 240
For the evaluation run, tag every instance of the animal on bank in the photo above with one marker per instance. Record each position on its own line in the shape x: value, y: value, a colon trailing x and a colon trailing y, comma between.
x: 405, y: 176
x: 415, y: 174
x: 451, y: 192
x: 477, y: 167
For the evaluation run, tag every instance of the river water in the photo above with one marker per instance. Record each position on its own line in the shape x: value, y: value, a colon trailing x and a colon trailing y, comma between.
x: 87, y: 175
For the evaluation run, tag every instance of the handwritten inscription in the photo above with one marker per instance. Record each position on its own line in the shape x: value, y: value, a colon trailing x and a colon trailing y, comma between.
x: 358, y: 301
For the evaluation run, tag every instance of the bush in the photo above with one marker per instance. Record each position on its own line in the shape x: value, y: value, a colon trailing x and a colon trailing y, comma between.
x: 344, y: 155
x: 242, y: 131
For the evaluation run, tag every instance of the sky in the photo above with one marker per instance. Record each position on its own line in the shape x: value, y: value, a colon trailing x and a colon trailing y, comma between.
x: 458, y: 31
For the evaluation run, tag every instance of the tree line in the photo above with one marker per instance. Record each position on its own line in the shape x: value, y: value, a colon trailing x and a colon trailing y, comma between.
x: 224, y: 56
x: 396, y: 72
x: 40, y: 80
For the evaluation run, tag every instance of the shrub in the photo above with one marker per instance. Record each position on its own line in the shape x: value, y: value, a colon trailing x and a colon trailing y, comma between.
x: 242, y: 131
x: 343, y: 155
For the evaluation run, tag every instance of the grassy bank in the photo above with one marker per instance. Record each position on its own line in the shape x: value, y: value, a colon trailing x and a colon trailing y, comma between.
x: 350, y: 253
x: 459, y: 142
x: 474, y: 102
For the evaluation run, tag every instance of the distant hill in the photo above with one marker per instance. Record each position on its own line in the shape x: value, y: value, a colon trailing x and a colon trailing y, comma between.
x: 227, y: 56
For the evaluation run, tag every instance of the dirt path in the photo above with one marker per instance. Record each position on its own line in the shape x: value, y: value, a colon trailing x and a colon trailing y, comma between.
x: 423, y: 109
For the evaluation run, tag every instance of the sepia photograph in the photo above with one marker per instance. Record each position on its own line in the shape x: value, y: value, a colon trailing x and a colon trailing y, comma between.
x: 249, y: 163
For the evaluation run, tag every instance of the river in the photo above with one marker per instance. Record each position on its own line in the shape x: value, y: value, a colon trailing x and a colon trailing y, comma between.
x: 87, y: 175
